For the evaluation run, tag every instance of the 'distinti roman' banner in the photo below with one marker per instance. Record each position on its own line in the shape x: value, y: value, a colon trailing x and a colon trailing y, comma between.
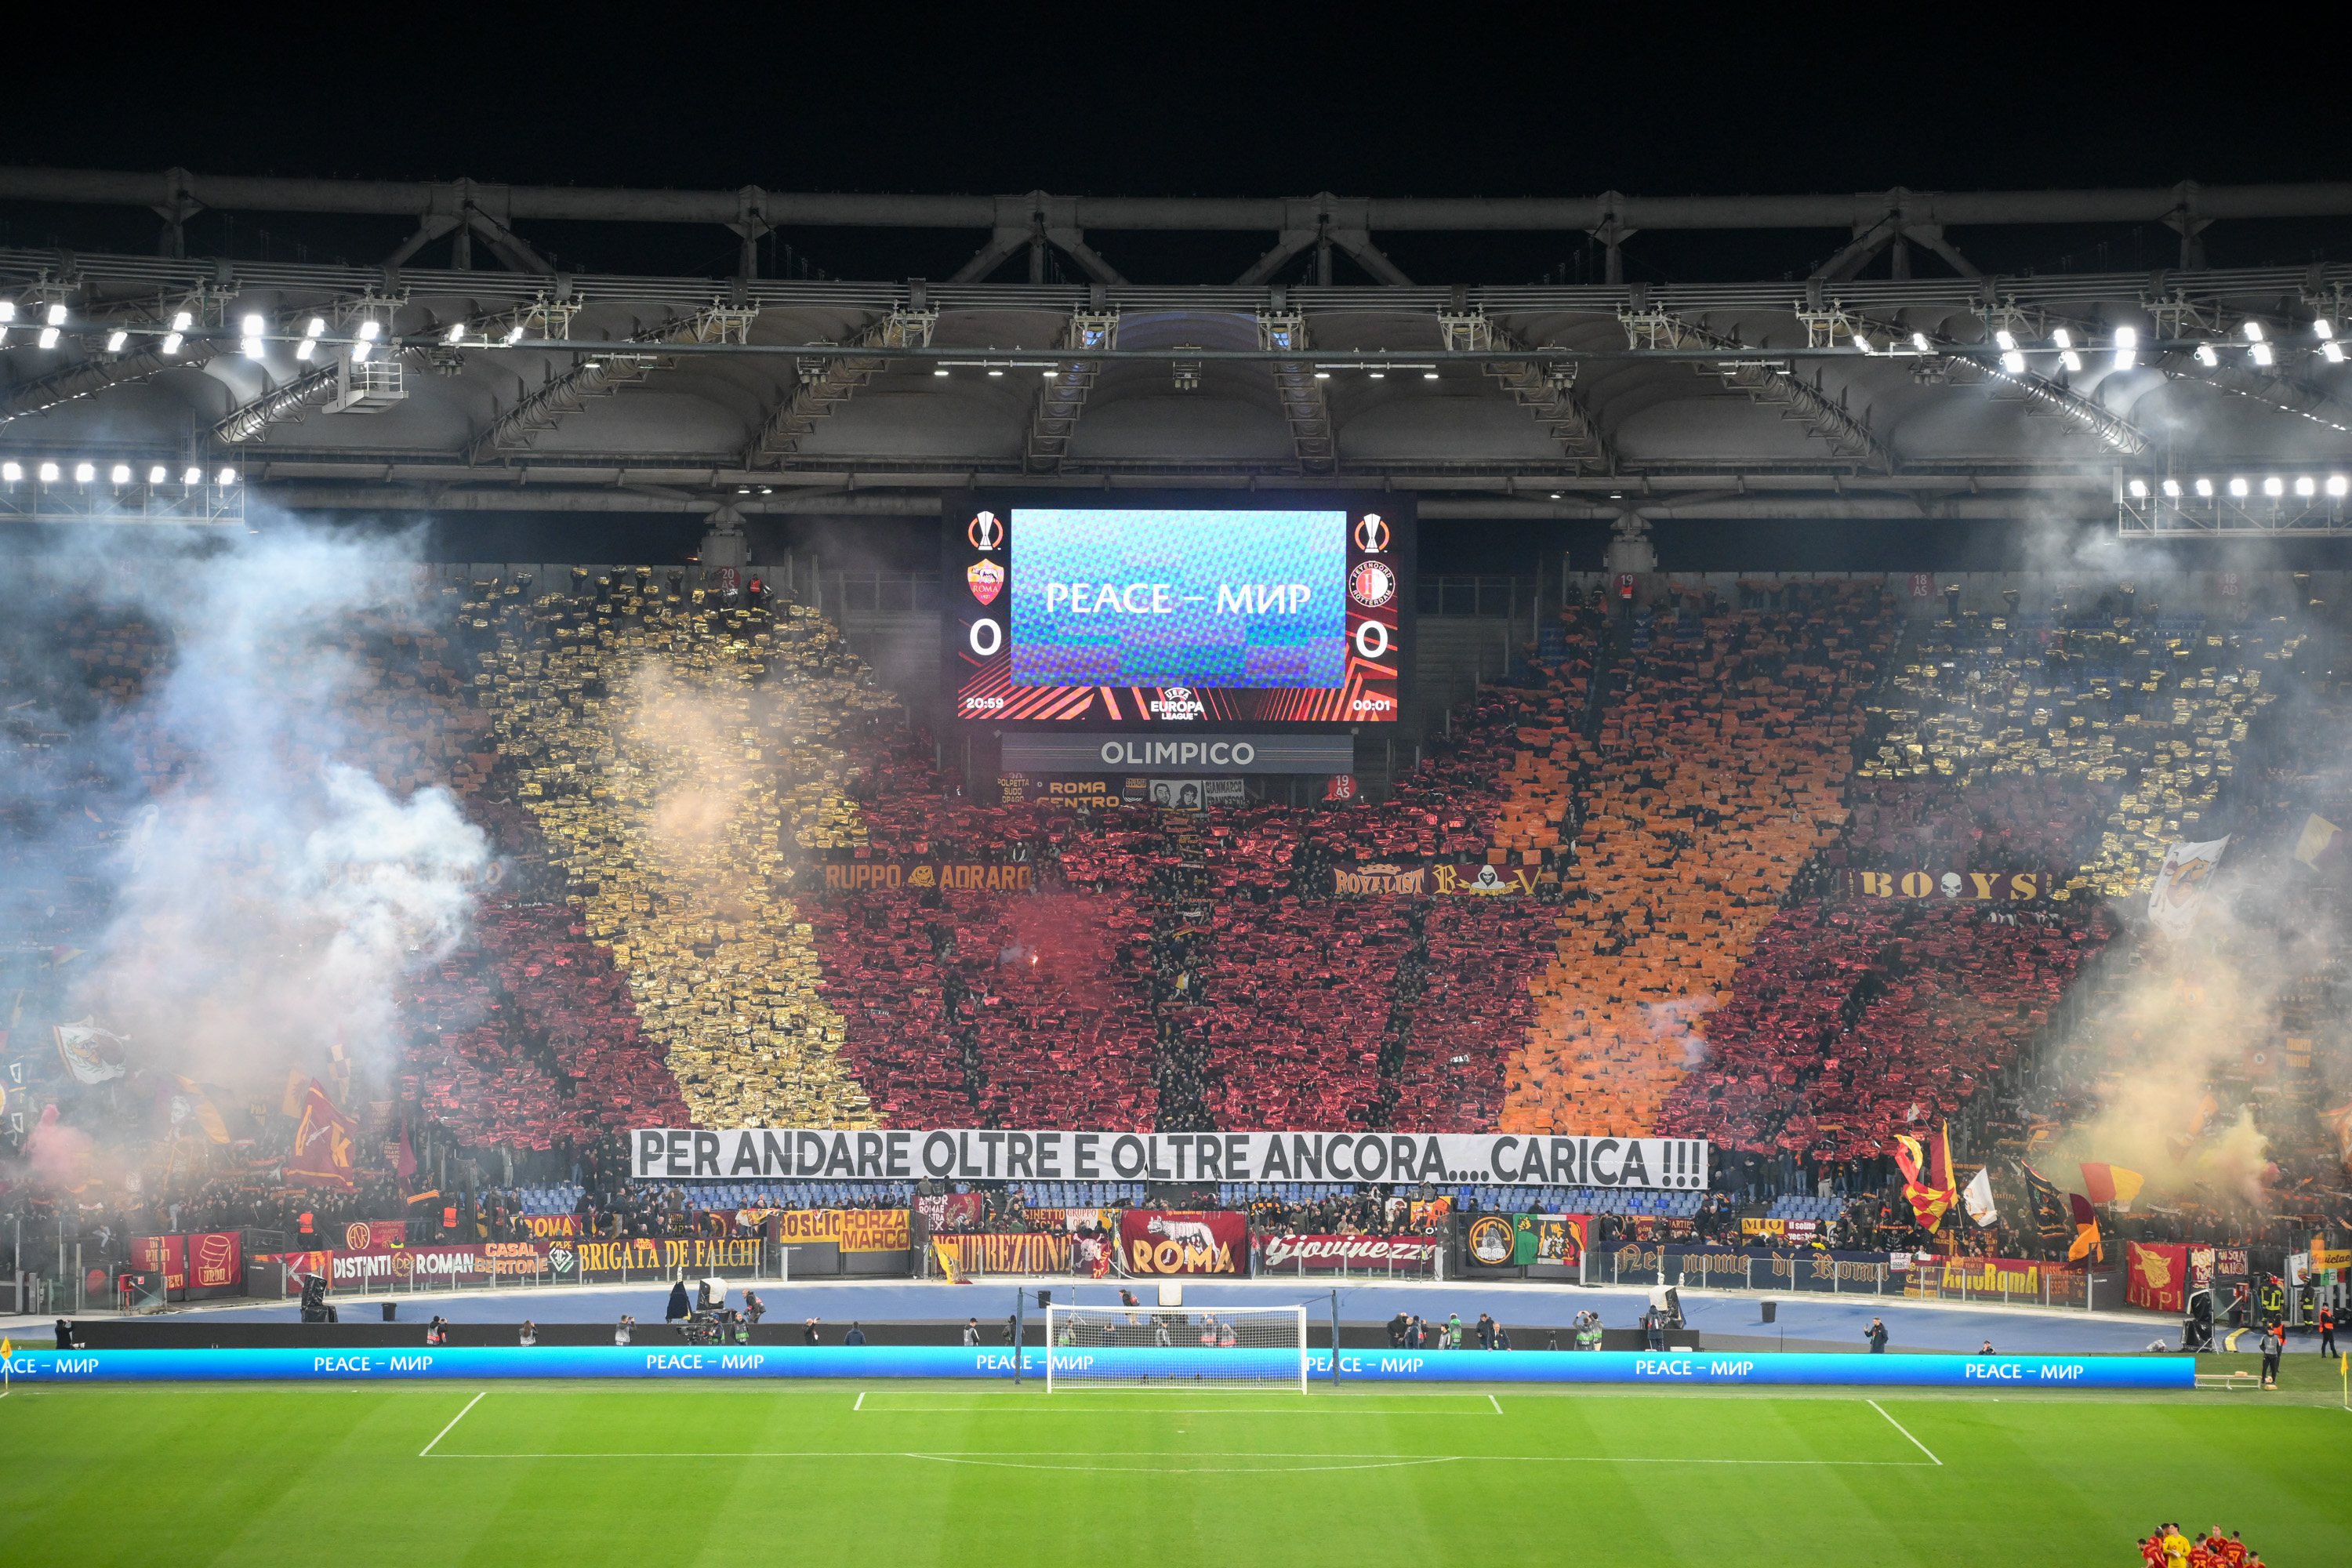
x: 769, y: 1154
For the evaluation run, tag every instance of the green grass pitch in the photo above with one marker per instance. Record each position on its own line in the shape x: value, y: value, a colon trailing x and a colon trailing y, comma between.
x: 893, y: 1472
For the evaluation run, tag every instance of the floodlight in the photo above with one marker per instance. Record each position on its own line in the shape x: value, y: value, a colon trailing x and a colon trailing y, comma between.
x: 2238, y: 488
x: 48, y: 473
x: 2013, y: 362
x: 158, y: 474
x: 1431, y: 375
x: 1379, y: 375
x: 457, y: 333
x: 514, y: 334
x: 360, y: 351
x: 2139, y: 490
x: 2126, y: 347
x: 8, y: 312
x: 121, y: 474
x: 2205, y: 489
x: 2274, y: 487
x: 115, y: 340
x: 56, y: 316
x: 2063, y: 337
x: 2206, y: 356
x: 1322, y: 375
x: 939, y: 372
x: 2070, y: 359
x: 2261, y: 353
x: 1920, y: 342
x: 317, y: 327
x: 996, y: 373
x: 2004, y: 339
x: 227, y: 477
x: 195, y: 475
x: 49, y: 337
x: 2335, y: 485
x: 2172, y: 489
x: 2332, y: 352
x: 371, y: 329
x: 2305, y: 486
x: 11, y: 472
x: 182, y: 320
x: 255, y: 326
x: 171, y: 343
x: 303, y: 350
x: 85, y: 472
x: 1049, y: 375
x: 2253, y: 331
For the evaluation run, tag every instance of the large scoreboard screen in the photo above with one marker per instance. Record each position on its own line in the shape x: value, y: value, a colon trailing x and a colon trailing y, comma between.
x: 1084, y: 609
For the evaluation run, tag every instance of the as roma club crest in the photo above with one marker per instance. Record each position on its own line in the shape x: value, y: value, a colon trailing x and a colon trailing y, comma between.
x: 1371, y: 533
x: 1371, y: 583
x: 986, y: 577
x: 986, y: 532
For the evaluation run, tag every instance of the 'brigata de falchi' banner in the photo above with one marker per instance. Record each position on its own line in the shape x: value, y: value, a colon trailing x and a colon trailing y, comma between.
x: 1507, y: 1159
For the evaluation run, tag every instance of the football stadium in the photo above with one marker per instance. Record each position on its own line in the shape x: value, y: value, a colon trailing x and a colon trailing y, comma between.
x: 714, y: 869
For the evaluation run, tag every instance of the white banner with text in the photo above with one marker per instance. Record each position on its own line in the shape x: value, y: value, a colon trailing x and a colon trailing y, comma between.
x: 995, y: 1155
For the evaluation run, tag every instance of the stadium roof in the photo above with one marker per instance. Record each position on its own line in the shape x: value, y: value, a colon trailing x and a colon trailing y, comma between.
x: 1903, y: 398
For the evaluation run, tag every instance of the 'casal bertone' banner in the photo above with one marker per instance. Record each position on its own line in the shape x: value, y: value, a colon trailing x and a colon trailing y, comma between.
x: 765, y: 1154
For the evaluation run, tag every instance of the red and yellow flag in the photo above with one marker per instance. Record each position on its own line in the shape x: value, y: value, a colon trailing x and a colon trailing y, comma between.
x: 1928, y: 1176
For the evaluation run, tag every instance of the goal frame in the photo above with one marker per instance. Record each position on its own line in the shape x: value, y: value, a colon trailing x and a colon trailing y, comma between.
x: 1059, y: 1312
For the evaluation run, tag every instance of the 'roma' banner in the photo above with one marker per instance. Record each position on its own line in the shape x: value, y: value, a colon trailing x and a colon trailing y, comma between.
x: 322, y: 1145
x: 1350, y: 1254
x: 1170, y: 1241
x: 551, y: 1227
x: 2160, y: 1277
x: 851, y: 1230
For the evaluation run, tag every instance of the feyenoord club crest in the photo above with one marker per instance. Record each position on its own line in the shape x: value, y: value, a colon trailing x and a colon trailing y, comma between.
x: 1371, y: 583
x: 987, y: 579
x: 986, y: 532
x: 1371, y: 534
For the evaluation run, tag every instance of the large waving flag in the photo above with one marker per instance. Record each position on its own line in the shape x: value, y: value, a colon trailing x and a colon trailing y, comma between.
x: 1928, y: 1176
x: 1979, y: 1199
x: 2086, y: 1231
x: 322, y: 1145
x: 2054, y: 1218
x: 2111, y: 1184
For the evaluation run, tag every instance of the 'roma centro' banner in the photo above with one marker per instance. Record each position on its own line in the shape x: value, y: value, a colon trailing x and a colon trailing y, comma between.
x: 1169, y: 1241
x: 1508, y: 1159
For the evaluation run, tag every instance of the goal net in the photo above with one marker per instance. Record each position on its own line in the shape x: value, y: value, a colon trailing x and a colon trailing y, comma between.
x: 1176, y: 1348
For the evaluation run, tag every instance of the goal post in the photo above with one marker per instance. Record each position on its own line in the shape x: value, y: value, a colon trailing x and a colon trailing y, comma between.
x: 1187, y: 1348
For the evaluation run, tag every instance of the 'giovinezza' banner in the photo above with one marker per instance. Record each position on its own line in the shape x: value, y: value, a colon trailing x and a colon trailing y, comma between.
x: 1508, y: 1159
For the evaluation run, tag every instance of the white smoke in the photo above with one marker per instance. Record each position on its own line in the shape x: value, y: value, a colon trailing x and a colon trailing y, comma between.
x: 270, y: 896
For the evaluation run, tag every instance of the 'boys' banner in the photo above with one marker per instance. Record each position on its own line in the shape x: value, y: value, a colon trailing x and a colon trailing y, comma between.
x: 769, y: 1154
x: 1960, y: 887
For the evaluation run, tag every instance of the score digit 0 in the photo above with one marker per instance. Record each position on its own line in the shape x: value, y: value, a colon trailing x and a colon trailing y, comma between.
x: 986, y: 637
x: 1372, y: 639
